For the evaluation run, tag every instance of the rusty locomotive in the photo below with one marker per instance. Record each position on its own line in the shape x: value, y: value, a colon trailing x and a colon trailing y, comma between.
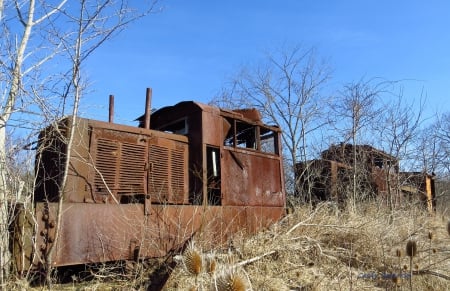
x: 142, y: 192
x: 330, y: 177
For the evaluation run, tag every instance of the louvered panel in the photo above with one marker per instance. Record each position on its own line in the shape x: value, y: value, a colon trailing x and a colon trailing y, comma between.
x: 132, y: 167
x: 105, y: 166
x: 159, y: 167
x: 177, y: 175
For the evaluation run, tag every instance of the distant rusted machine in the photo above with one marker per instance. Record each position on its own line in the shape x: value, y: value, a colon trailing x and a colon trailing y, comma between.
x: 141, y: 192
x: 331, y: 176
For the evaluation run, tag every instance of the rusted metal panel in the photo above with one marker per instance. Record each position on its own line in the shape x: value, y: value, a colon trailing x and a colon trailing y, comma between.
x: 22, y: 238
x: 212, y: 132
x: 118, y: 165
x: 105, y: 232
x: 108, y: 162
x: 252, y: 179
x: 168, y: 171
x: 251, y: 113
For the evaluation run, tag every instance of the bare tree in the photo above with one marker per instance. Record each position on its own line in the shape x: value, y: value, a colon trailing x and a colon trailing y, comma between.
x: 442, y: 138
x: 434, y: 155
x: 14, y: 69
x: 36, y: 37
x: 356, y: 109
x: 286, y: 89
x: 397, y: 130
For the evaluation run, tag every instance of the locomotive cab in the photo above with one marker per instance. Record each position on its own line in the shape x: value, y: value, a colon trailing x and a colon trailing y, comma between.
x: 234, y: 158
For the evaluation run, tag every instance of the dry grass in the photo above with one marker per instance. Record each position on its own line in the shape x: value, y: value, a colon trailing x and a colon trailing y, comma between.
x: 330, y: 249
x: 326, y: 249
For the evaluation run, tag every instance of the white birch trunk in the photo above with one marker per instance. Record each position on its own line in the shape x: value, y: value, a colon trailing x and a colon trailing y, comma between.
x: 28, y: 24
x: 4, y: 234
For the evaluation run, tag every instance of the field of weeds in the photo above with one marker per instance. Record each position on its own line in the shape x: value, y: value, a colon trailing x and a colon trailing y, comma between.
x: 321, y: 249
x: 327, y: 249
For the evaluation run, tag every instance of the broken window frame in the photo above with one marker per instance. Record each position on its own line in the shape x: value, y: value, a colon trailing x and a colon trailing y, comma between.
x: 253, y: 137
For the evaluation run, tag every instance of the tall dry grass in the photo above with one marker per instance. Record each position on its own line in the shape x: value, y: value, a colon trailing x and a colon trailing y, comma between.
x: 328, y: 248
x: 333, y: 249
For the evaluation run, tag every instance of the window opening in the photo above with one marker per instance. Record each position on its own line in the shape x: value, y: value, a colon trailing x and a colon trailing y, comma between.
x: 378, y: 163
x: 213, y: 175
x: 268, y: 141
x: 245, y: 135
x: 177, y: 127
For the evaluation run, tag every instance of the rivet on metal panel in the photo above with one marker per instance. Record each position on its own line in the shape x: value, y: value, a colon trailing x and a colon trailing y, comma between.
x: 43, y: 232
x: 51, y: 224
x: 45, y: 217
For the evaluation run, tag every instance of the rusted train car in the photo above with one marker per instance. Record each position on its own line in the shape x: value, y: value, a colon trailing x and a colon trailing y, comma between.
x: 141, y: 192
x: 378, y: 174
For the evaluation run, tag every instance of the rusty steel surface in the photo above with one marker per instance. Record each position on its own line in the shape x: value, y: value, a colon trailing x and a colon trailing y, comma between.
x: 110, y: 162
x: 252, y: 179
x: 138, y: 192
x: 101, y: 232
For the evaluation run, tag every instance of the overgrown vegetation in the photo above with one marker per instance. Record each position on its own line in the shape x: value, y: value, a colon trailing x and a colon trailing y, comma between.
x: 327, y: 249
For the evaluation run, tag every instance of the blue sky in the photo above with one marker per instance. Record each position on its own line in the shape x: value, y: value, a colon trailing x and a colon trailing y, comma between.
x: 189, y: 49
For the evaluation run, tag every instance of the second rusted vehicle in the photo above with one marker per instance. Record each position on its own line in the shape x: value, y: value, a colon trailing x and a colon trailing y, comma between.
x: 140, y: 192
x: 376, y: 174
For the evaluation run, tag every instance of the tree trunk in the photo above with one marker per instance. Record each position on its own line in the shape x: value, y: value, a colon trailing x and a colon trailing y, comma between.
x: 5, y: 256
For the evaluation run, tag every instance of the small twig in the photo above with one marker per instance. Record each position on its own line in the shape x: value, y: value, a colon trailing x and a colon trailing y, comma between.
x: 327, y: 225
x: 429, y: 272
x: 246, y: 262
x: 303, y: 223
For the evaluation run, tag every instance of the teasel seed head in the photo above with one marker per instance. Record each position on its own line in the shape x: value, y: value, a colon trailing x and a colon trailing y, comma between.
x: 211, y: 264
x: 193, y: 260
x: 411, y: 248
x: 396, y: 279
x: 231, y: 280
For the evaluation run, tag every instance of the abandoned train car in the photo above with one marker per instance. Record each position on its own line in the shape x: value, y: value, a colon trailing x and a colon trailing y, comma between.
x: 331, y: 176
x: 139, y: 192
